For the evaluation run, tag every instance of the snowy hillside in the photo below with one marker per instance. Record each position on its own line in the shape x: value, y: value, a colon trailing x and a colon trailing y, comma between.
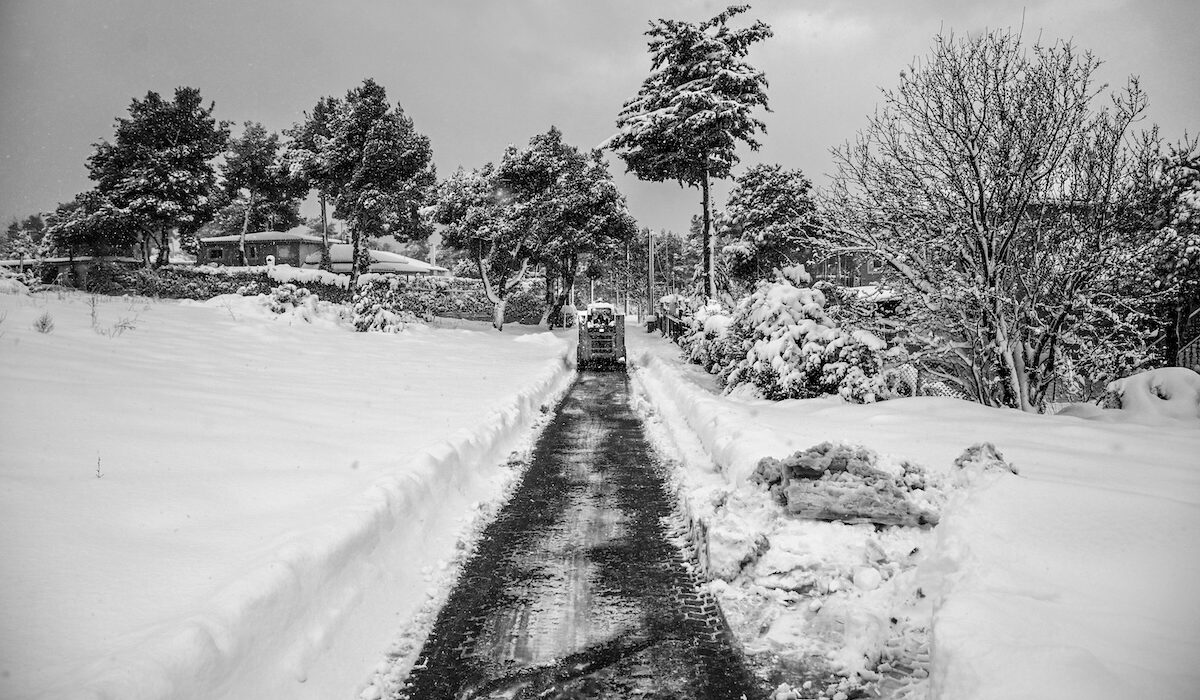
x: 213, y: 500
x: 1073, y: 579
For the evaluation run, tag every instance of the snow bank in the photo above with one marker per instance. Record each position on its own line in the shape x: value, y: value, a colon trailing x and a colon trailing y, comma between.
x: 223, y: 502
x: 1167, y: 392
x: 1073, y: 579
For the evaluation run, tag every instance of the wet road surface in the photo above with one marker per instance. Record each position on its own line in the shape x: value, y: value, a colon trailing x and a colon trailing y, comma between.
x: 575, y: 590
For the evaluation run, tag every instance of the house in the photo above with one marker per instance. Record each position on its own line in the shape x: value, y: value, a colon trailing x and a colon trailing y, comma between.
x: 287, y: 247
x: 846, y: 267
x: 381, y: 261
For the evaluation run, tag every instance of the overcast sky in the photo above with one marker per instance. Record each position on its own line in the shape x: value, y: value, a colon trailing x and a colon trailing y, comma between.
x: 476, y: 75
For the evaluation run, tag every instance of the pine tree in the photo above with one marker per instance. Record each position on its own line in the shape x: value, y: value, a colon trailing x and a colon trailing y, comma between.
x: 693, y: 110
x: 770, y: 214
x: 257, y: 179
x: 548, y: 204
x: 90, y: 225
x: 159, y: 168
x: 381, y: 169
x: 306, y: 156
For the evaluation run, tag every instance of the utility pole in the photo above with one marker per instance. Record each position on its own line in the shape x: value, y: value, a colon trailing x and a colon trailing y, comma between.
x: 625, y: 278
x: 649, y: 272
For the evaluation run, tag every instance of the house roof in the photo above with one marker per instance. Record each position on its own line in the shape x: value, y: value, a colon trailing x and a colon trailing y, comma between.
x: 258, y: 237
x: 393, y: 262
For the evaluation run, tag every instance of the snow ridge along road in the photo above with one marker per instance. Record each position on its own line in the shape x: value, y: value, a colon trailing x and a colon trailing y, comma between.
x: 575, y: 589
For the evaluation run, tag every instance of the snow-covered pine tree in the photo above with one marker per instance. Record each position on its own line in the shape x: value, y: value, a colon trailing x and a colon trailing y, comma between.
x: 306, y: 156
x: 382, y: 170
x: 90, y: 224
x: 478, y: 217
x: 159, y: 168
x: 693, y: 109
x: 1173, y: 272
x: 567, y: 199
x: 770, y: 214
x: 256, y: 178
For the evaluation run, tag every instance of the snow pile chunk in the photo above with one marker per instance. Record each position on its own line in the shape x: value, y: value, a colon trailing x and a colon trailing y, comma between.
x: 984, y: 457
x: 850, y: 483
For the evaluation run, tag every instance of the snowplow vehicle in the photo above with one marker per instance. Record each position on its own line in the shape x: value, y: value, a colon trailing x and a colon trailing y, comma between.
x: 601, y: 338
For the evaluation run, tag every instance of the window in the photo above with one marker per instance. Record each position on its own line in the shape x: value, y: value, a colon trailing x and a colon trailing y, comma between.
x: 874, y: 266
x: 215, y: 254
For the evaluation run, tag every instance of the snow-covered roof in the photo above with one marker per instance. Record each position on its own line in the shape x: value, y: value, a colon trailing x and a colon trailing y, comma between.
x: 304, y: 235
x: 381, y: 260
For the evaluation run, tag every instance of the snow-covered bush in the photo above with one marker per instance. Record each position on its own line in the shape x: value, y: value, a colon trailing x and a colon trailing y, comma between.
x: 780, y: 340
x: 288, y: 296
x: 379, y: 306
x: 11, y: 283
x: 702, y: 343
x: 251, y: 289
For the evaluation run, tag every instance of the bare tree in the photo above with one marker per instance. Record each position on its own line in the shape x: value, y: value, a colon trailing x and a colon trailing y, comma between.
x: 1002, y: 195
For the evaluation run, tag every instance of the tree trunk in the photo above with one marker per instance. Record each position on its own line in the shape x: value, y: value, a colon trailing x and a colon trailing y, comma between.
x: 326, y: 261
x: 569, y: 270
x: 708, y: 242
x: 245, y: 228
x: 649, y: 272
x: 164, y: 245
x: 498, y: 313
x: 146, y: 249
x: 360, y: 260
x: 547, y: 304
x: 489, y: 291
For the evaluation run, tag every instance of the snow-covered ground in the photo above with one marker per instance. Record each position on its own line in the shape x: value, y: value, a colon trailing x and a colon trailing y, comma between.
x: 1074, y: 579
x: 210, y: 500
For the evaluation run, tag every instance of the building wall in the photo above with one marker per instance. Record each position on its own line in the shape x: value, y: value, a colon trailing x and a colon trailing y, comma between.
x: 227, y: 252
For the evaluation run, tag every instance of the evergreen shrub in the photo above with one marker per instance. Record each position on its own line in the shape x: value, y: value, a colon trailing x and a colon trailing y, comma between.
x: 781, y: 341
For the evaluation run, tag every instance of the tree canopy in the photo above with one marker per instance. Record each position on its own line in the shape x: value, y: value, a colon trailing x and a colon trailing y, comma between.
x: 159, y: 168
x: 1006, y: 203
x: 547, y: 205
x: 694, y: 109
x: 770, y: 216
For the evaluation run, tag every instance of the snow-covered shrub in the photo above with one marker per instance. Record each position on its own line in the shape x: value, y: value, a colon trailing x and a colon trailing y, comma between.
x: 286, y: 297
x: 251, y: 289
x: 900, y: 381
x: 379, y: 306
x: 44, y: 323
x: 11, y: 283
x: 780, y: 340
x: 702, y: 343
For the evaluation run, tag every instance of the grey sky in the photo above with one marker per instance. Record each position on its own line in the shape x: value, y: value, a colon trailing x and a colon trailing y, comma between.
x: 476, y: 75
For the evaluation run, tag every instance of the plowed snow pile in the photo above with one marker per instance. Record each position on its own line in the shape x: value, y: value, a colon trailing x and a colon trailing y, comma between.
x: 1072, y: 578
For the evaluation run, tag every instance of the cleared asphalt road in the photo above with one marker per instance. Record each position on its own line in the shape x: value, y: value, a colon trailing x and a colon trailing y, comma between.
x: 575, y: 591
